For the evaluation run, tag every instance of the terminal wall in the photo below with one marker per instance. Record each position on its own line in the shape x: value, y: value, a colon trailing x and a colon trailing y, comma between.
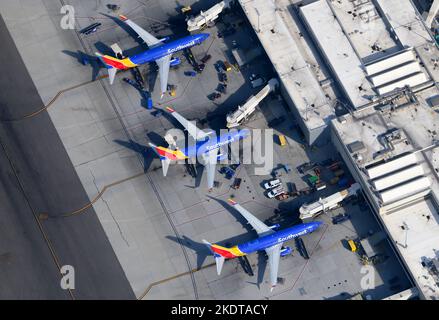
x: 313, y: 136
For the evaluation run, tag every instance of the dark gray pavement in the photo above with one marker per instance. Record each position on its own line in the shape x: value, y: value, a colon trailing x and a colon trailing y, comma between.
x: 36, y: 176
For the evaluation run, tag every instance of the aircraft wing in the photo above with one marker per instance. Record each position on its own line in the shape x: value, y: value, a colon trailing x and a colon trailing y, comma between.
x: 149, y: 39
x: 164, y: 64
x: 273, y: 261
x: 196, y: 133
x: 258, y: 225
x: 210, y: 165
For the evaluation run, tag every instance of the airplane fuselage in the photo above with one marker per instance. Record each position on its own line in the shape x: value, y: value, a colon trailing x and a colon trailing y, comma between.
x: 269, y: 240
x: 167, y: 49
x: 205, y: 146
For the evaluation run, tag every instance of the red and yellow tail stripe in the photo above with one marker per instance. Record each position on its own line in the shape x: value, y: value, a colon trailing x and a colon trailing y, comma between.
x: 120, y: 64
x: 229, y: 253
x: 170, y: 154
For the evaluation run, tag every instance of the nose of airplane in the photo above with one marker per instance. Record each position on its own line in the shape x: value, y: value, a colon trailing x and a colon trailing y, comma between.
x: 317, y: 224
x: 203, y: 36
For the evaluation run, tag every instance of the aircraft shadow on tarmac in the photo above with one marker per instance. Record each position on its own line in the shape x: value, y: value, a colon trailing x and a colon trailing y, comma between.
x: 125, y: 27
x: 82, y: 58
x: 262, y: 264
x: 147, y: 153
x: 202, y: 251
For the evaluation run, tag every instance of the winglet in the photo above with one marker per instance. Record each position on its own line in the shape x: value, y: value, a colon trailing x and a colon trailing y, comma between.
x: 170, y: 110
x: 232, y: 202
x: 122, y: 17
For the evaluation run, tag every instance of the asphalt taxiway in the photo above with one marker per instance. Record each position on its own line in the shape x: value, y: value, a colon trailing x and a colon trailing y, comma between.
x: 38, y: 184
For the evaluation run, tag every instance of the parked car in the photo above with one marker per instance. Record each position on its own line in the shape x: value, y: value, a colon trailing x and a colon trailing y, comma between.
x: 221, y: 88
x: 190, y: 73
x: 214, y: 96
x: 222, y: 77
x: 219, y: 66
x: 275, y: 192
x: 272, y: 184
x: 340, y: 218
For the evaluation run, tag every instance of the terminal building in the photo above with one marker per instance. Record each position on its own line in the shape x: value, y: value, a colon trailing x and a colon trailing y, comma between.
x: 378, y: 61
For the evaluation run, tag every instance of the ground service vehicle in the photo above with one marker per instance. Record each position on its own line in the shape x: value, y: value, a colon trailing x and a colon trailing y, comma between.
x: 275, y: 192
x: 282, y: 140
x: 228, y: 66
x: 272, y: 184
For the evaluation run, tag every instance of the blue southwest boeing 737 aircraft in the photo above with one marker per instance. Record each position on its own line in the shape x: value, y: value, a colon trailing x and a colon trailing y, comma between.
x: 269, y: 240
x: 159, y: 52
x: 208, y: 148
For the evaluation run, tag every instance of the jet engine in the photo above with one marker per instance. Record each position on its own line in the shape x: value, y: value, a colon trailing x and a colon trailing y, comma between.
x: 174, y: 62
x: 285, y: 251
x: 164, y: 39
x: 221, y: 156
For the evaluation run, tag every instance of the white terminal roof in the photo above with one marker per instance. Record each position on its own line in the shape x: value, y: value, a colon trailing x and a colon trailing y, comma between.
x: 340, y: 54
x: 409, y: 173
x: 294, y: 72
x: 406, y: 23
x: 411, y: 31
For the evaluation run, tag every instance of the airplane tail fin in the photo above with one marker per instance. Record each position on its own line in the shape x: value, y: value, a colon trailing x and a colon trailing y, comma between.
x: 219, y: 259
x: 166, y: 155
x: 113, y: 64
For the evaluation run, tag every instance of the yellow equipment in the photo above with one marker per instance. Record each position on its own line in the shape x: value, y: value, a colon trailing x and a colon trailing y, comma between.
x: 352, y: 245
x: 227, y: 65
x: 186, y: 9
x: 282, y: 140
x: 172, y: 90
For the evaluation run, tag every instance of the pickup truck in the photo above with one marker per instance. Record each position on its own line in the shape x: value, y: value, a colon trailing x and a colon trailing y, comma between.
x: 272, y: 184
x: 275, y: 192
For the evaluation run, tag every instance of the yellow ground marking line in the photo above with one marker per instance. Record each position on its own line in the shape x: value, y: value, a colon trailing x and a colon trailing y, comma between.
x: 172, y: 278
x: 100, y: 194
x: 51, y: 102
